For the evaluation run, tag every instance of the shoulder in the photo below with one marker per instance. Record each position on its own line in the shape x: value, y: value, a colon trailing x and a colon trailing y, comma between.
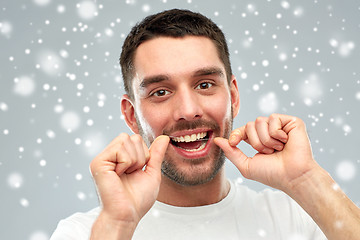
x: 76, y: 226
x: 267, y: 195
x: 269, y: 205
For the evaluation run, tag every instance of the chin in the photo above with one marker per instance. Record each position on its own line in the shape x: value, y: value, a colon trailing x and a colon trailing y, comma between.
x: 193, y: 172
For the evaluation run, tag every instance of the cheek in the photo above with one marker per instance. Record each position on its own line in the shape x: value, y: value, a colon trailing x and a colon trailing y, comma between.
x: 219, y: 108
x: 144, y: 123
x: 153, y: 120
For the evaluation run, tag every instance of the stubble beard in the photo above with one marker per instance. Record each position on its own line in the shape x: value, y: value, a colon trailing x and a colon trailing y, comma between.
x: 194, y: 176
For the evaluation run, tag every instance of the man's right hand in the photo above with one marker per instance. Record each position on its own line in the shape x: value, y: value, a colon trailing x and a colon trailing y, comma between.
x: 127, y: 175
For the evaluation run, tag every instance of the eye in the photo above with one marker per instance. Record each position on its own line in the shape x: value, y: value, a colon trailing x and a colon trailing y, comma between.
x: 204, y: 85
x: 161, y: 93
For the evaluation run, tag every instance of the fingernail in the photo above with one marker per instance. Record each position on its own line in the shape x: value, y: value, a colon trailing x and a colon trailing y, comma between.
x: 232, y: 138
x: 232, y: 141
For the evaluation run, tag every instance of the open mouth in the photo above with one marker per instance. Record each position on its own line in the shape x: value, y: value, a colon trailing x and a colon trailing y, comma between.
x: 193, y: 142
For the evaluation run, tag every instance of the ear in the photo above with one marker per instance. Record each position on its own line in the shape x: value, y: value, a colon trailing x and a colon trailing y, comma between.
x: 128, y: 111
x: 235, y: 96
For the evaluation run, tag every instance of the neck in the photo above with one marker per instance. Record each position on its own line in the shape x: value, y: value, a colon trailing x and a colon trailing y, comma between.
x: 191, y: 196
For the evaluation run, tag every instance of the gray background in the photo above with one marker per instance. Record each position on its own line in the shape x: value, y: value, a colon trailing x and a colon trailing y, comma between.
x: 60, y: 87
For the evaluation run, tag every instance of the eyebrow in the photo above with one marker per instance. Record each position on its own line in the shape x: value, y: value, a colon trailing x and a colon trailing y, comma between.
x: 206, y: 71
x: 153, y: 79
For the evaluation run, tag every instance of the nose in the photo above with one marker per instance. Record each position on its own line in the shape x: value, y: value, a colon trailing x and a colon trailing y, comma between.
x: 187, y: 105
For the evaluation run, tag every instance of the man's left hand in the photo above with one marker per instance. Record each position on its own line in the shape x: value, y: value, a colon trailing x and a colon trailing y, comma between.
x: 284, y: 153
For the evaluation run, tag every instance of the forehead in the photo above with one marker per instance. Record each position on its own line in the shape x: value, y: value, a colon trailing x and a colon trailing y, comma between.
x: 175, y: 56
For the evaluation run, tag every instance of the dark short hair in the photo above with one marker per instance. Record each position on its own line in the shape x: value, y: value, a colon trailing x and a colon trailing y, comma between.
x: 175, y: 23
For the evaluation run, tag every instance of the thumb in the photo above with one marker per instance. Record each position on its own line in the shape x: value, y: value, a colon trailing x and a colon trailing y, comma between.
x: 234, y: 154
x: 157, y: 152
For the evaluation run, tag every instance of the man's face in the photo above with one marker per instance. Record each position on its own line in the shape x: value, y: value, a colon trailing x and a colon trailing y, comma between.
x: 181, y: 90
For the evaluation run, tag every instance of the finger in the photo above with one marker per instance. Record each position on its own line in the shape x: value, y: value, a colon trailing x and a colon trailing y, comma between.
x: 235, y: 155
x: 109, y: 153
x: 276, y: 128
x: 146, y: 152
x: 157, y: 153
x: 122, y: 153
x: 137, y: 151
x: 237, y: 136
x: 254, y: 139
x: 295, y: 130
x: 124, y: 162
x: 107, y: 160
x: 262, y: 129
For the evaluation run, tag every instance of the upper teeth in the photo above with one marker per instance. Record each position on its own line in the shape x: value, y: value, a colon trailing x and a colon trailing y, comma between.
x: 189, y: 138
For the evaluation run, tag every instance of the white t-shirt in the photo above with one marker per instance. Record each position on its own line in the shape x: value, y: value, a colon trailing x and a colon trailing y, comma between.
x: 242, y: 214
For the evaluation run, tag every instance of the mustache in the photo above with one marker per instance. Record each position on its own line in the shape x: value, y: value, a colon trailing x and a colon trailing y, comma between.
x: 186, y: 125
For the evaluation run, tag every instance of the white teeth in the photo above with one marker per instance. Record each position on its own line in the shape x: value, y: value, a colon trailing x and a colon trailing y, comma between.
x: 190, y: 138
x: 202, y: 146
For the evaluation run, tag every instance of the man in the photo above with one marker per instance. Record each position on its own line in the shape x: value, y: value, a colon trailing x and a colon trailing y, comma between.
x: 167, y: 181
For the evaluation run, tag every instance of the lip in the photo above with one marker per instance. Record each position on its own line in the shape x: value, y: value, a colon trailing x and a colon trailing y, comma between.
x: 196, y: 154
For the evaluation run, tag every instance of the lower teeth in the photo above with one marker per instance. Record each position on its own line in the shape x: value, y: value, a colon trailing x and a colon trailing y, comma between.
x: 194, y: 150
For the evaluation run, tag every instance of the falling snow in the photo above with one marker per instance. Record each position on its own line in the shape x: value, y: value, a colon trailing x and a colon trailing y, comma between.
x: 311, y: 89
x: 41, y: 2
x: 6, y: 29
x: 39, y: 235
x: 24, y: 86
x: 60, y: 88
x: 70, y: 121
x: 346, y: 170
x: 268, y: 103
x: 49, y: 62
x: 15, y: 180
x: 87, y: 10
x: 3, y: 106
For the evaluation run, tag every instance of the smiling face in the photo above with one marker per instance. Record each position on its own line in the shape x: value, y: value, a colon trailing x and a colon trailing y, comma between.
x: 181, y: 90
